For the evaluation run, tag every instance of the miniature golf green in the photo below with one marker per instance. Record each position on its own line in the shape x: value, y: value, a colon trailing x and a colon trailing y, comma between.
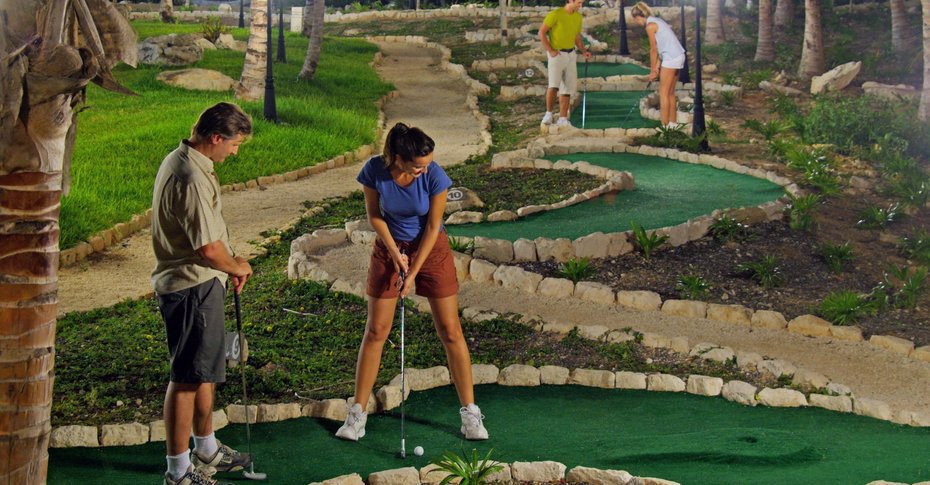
x: 668, y: 192
x: 611, y: 109
x: 606, y: 69
x: 676, y: 436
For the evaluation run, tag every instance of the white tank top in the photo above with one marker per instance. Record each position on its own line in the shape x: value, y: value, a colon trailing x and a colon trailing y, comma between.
x: 666, y: 41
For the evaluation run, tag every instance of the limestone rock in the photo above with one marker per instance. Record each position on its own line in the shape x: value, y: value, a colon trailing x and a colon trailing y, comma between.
x: 704, y: 385
x: 785, y: 398
x: 685, y: 308
x: 560, y: 250
x: 593, y: 378
x: 556, y: 287
x: 593, y: 476
x: 639, y: 300
x: 517, y: 278
x: 768, y: 319
x: 226, y: 41
x: 735, y: 314
x: 553, y: 375
x: 170, y: 50
x: 810, y: 325
x: 619, y: 244
x: 740, y: 392
x: 236, y: 413
x: 389, y: 397
x: 835, y: 79
x: 432, y: 475
x: 462, y: 263
x: 899, y: 92
x: 778, y: 88
x: 593, y: 332
x: 841, y: 404
x: 748, y: 360
x: 461, y: 198
x: 593, y: 245
x: 197, y: 79
x: 921, y: 353
x: 524, y: 250
x: 484, y: 373
x: 713, y: 352
x: 777, y: 367
x: 157, y: 430
x: 481, y: 270
x: 332, y: 409
x: 423, y: 379
x: 124, y: 434
x: 504, y: 215
x: 809, y: 379
x: 519, y: 375
x: 371, y: 407
x: 397, y: 476
x: 664, y: 383
x: 630, y: 380
x: 496, y: 250
x: 851, y: 333
x: 351, y: 479
x: 594, y: 292
x: 464, y: 217
x: 872, y: 408
x: 895, y: 344
x: 268, y: 413
x: 71, y: 436
x: 538, y: 471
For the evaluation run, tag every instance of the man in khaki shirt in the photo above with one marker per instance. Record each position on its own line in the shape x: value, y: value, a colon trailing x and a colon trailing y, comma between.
x: 194, y: 261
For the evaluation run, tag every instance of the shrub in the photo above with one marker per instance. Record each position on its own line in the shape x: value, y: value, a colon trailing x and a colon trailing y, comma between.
x: 674, y: 137
x: 692, y: 287
x: 462, y: 244
x: 647, y: 243
x: 801, y: 211
x: 212, y: 27
x: 817, y: 166
x: 766, y: 271
x: 912, y: 191
x: 836, y: 255
x: 873, y: 217
x: 726, y: 229
x: 769, y: 129
x: 843, y: 307
x: 917, y: 246
x: 727, y: 98
x: 576, y: 269
x: 466, y: 471
x: 911, y: 285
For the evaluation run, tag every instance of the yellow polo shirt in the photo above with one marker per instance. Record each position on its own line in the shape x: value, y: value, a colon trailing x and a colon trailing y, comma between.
x: 564, y: 28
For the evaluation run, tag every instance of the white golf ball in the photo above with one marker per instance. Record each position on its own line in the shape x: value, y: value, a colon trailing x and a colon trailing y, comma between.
x: 418, y: 451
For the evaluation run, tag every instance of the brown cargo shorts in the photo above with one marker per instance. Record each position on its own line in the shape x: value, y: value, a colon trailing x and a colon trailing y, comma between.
x: 436, y: 279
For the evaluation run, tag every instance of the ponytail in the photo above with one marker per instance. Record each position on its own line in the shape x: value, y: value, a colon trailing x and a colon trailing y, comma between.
x: 641, y: 10
x: 407, y: 143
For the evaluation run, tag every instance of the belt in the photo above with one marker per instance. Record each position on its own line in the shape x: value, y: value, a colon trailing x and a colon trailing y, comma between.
x: 567, y: 50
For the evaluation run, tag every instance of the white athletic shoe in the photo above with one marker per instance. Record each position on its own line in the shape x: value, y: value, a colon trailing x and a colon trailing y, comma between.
x: 563, y: 122
x: 354, y: 427
x: 472, y: 426
x: 547, y: 118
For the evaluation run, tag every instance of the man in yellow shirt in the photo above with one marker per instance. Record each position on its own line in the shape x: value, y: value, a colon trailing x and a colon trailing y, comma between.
x: 560, y: 34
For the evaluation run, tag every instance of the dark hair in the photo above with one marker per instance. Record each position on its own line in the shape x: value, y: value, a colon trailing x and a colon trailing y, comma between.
x: 224, y: 119
x: 407, y: 143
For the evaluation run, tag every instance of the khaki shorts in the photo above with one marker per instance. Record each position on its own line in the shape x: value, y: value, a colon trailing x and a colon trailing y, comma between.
x: 563, y: 73
x: 436, y: 278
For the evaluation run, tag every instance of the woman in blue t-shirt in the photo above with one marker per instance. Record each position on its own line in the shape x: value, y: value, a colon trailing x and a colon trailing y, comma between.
x: 405, y: 197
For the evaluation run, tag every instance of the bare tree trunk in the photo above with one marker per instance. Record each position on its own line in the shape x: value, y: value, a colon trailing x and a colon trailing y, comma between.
x: 251, y: 85
x: 503, y: 13
x: 167, y: 11
x: 316, y: 41
x: 37, y: 132
x: 812, y: 60
x: 765, y: 48
x: 924, y: 112
x: 713, y: 33
x: 784, y: 13
x: 307, y: 27
x: 901, y: 36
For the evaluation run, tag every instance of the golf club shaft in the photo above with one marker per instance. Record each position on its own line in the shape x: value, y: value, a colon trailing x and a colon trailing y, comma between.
x: 403, y: 373
x: 584, y: 94
x: 245, y: 394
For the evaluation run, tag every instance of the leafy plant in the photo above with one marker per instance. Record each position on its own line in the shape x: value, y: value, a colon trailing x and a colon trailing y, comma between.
x: 912, y: 191
x: 769, y: 129
x: 836, y: 255
x: 726, y: 229
x: 916, y: 246
x: 843, y: 307
x: 464, y: 470
x: 780, y: 147
x: 647, y: 243
x: 874, y: 217
x: 727, y: 98
x: 715, y: 131
x: 576, y: 269
x: 801, y: 211
x: 817, y: 166
x: 462, y: 244
x: 674, y: 137
x: 911, y: 285
x: 692, y: 287
x: 212, y: 27
x: 766, y: 271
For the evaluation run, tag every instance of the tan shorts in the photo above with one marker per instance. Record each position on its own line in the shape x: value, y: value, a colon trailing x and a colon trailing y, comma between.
x: 563, y: 73
x: 436, y: 278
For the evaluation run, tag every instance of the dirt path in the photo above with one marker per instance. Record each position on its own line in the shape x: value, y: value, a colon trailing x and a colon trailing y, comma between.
x: 429, y: 97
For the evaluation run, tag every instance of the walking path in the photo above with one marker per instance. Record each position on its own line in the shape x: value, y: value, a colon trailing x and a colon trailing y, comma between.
x: 428, y: 97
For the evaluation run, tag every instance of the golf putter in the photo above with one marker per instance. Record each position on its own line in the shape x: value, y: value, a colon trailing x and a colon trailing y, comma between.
x: 403, y: 375
x: 584, y: 94
x: 251, y: 474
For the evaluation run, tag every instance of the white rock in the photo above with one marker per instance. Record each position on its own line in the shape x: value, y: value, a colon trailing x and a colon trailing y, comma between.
x: 593, y: 378
x: 515, y: 277
x: 593, y: 476
x: 423, y: 379
x: 560, y: 250
x: 268, y: 413
x: 519, y: 375
x: 704, y: 385
x: 593, y: 332
x: 464, y: 217
x: 630, y: 380
x: 556, y: 287
x: 538, y: 471
x: 504, y: 215
x: 777, y: 367
x: 786, y: 398
x: 71, y: 436
x: 497, y: 250
x: 739, y: 392
x: 481, y: 271
x: 553, y: 375
x: 748, y: 360
x: 809, y: 379
x: 594, y: 292
x: 432, y: 475
x: 351, y: 479
x: 124, y: 434
x: 685, y: 308
x: 196, y: 79
x: 332, y: 409
x: 839, y: 389
x: 524, y: 250
x: 618, y: 244
x: 900, y: 92
x: 398, y: 476
x: 872, y: 408
x: 841, y: 404
x: 236, y: 413
x: 664, y: 383
x: 713, y: 352
x: 835, y: 79
x: 389, y: 397
x: 484, y: 373
x: 593, y: 245
x: 462, y: 263
x: 371, y: 406
x: 639, y: 300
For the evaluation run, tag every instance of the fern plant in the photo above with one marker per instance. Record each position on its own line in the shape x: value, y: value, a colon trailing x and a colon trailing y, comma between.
x: 212, y: 27
x: 836, y: 255
x: 692, y: 287
x: 462, y: 245
x: 647, y: 243
x: 801, y: 211
x: 766, y: 271
x: 843, y: 307
x: 465, y: 471
x: 726, y: 229
x: 916, y: 246
x: 576, y: 269
x: 874, y: 217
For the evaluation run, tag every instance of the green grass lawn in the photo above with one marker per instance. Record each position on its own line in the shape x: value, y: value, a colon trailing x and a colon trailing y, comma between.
x: 122, y: 140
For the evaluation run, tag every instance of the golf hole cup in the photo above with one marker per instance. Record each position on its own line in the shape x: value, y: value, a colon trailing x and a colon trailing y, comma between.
x: 418, y: 451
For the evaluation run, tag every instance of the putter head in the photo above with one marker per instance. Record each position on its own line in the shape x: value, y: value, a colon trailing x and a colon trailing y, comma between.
x: 253, y: 475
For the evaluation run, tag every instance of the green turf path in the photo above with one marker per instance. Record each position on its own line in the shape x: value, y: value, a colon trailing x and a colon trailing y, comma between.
x: 611, y: 109
x: 689, y: 439
x: 667, y: 193
x: 605, y: 69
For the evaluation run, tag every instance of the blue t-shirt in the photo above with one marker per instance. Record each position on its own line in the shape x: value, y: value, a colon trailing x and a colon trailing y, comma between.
x: 405, y: 209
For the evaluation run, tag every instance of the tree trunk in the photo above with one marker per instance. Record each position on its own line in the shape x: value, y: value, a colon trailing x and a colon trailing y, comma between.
x: 503, y: 14
x: 784, y: 13
x: 812, y: 61
x: 924, y: 112
x: 37, y: 133
x: 713, y: 33
x: 316, y: 41
x: 167, y: 11
x: 307, y: 27
x: 765, y: 48
x: 251, y: 85
x: 901, y: 36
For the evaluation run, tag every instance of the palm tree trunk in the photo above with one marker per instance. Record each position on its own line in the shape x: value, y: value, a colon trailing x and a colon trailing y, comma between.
x: 765, y: 48
x: 900, y: 31
x: 37, y: 133
x: 316, y: 41
x: 713, y: 33
x: 784, y: 13
x: 307, y: 27
x: 167, y: 11
x: 251, y: 85
x: 812, y: 60
x: 924, y: 112
x: 503, y: 14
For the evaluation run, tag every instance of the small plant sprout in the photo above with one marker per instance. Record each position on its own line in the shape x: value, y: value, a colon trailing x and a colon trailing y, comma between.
x: 874, y: 217
x: 767, y: 271
x: 837, y: 256
x: 465, y: 471
x: 647, y: 243
x: 576, y: 269
x: 727, y: 229
x: 692, y: 287
x: 844, y: 307
x: 801, y: 211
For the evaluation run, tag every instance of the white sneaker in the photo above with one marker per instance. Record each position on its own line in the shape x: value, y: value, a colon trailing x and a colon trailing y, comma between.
x: 547, y: 118
x: 472, y: 426
x: 354, y: 427
x: 563, y: 122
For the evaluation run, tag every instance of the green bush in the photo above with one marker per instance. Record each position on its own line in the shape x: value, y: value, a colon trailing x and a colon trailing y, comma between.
x: 576, y: 269
x: 817, y: 165
x: 647, y: 243
x: 769, y: 129
x: 692, y: 287
x: 674, y: 137
x: 843, y: 307
x: 212, y: 27
x: 874, y: 217
x: 801, y: 211
x: 726, y: 229
x: 836, y: 255
x: 462, y: 244
x: 916, y: 246
x: 766, y: 271
x: 465, y: 471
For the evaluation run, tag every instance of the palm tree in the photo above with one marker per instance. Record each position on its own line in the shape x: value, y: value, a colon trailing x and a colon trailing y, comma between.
x: 901, y: 36
x: 924, y: 112
x: 40, y: 41
x: 316, y: 40
x: 713, y: 33
x: 812, y: 61
x: 251, y: 85
x: 167, y: 11
x: 503, y: 14
x: 307, y: 26
x: 784, y: 13
x: 765, y: 48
